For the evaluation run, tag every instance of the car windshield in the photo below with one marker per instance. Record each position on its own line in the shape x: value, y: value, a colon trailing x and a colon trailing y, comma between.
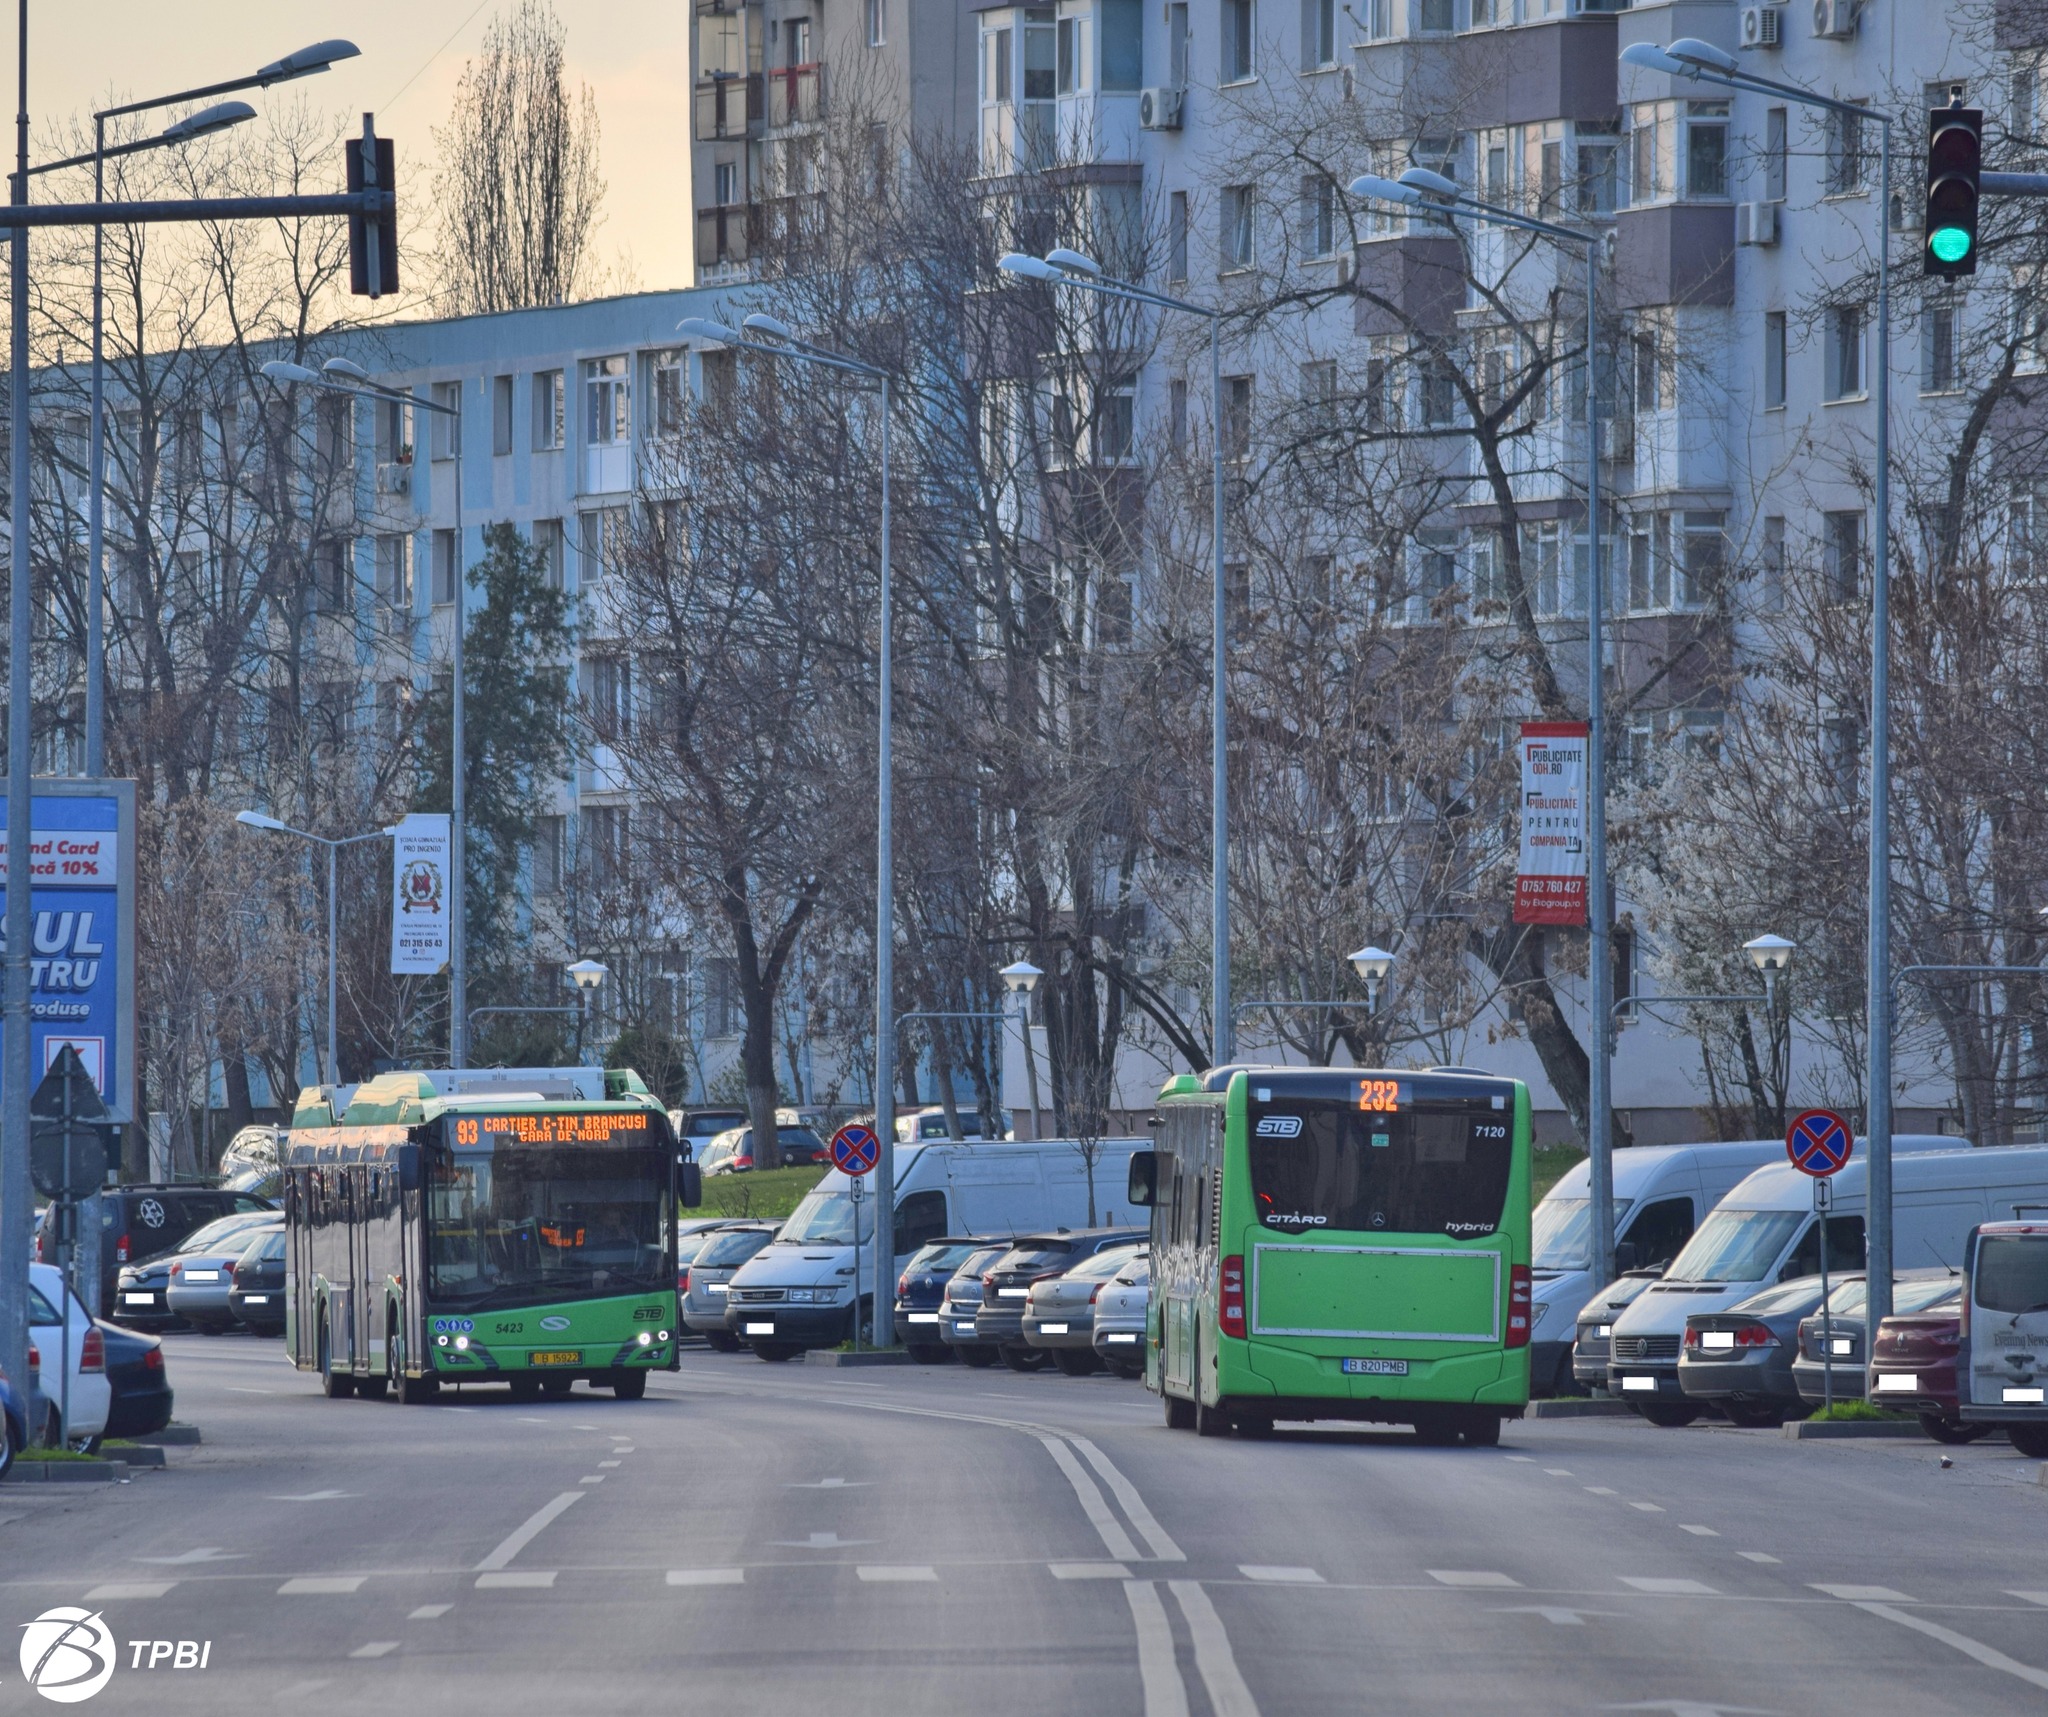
x: 1103, y: 1265
x: 691, y: 1246
x: 1136, y: 1273
x: 1801, y: 1294
x: 733, y: 1248
x: 1735, y: 1246
x: 827, y: 1219
x: 1323, y: 1164
x: 2012, y: 1274
x: 524, y: 1223
x: 975, y: 1263
x: 223, y: 1229
x: 1563, y: 1232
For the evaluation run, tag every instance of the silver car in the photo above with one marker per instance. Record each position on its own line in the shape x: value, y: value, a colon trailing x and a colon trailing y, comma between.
x: 1059, y: 1312
x: 708, y: 1274
x: 203, y: 1270
x: 1120, y: 1308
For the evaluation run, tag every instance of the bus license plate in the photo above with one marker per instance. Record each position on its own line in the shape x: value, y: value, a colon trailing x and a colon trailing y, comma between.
x: 1375, y: 1368
x: 565, y: 1356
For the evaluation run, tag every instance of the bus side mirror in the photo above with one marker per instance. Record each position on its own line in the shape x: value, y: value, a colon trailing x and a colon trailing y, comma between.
x: 408, y: 1168
x: 689, y: 1185
x: 1144, y: 1183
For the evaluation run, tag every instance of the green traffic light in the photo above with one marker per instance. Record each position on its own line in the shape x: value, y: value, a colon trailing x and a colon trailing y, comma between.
x: 1949, y: 244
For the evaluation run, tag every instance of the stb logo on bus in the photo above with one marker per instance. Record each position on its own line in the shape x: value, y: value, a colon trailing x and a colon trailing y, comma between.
x: 454, y: 1326
x: 1280, y: 1127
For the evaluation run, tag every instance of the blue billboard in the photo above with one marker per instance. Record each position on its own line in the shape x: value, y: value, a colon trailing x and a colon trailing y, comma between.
x: 82, y: 961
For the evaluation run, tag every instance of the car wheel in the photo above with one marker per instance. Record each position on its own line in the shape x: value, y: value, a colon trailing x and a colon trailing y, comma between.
x: 2030, y: 1439
x: 977, y: 1358
x: 1946, y: 1430
x: 930, y: 1353
x: 775, y: 1352
x: 1076, y: 1361
x: 1018, y: 1357
x: 628, y: 1385
x: 1180, y: 1415
x: 1670, y: 1414
x: 722, y: 1341
x: 1756, y: 1415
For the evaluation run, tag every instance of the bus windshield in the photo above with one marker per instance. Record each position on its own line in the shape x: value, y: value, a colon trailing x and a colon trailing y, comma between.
x: 524, y: 1224
x: 1319, y: 1163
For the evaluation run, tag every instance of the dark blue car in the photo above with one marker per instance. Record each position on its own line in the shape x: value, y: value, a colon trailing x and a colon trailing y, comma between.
x: 922, y: 1287
x: 13, y: 1424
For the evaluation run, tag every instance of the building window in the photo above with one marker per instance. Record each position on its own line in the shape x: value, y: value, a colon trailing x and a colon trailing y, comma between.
x: 1116, y: 606
x: 1842, y: 555
x: 394, y: 578
x: 547, y: 855
x: 1237, y: 417
x: 1240, y: 23
x: 447, y: 428
x: 1841, y: 749
x: 444, y: 567
x: 1775, y: 151
x: 1379, y: 19
x: 1123, y: 44
x: 1318, y: 217
x: 1435, y: 16
x: 722, y: 1011
x: 872, y: 11
x: 1702, y: 559
x: 1116, y: 409
x: 1378, y: 403
x: 666, y: 369
x: 1238, y: 239
x: 1774, y: 563
x: 1650, y: 166
x: 1656, y: 366
x: 1706, y: 149
x: 1940, y: 349
x: 725, y: 183
x: 547, y: 542
x: 1439, y: 393
x: 604, y: 542
x: 1177, y: 40
x: 1599, y: 167
x: 1177, y: 236
x: 550, y: 415
x: 607, y: 401
x: 1318, y: 34
x: 1845, y: 351
x: 1436, y: 570
x: 605, y: 836
x: 1774, y: 360
x: 1177, y: 413
x: 1319, y: 394
x: 1845, y: 154
x: 501, y: 416
x: 611, y: 695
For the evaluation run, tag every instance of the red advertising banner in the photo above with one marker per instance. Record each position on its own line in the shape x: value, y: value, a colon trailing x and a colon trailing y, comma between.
x: 1550, y: 878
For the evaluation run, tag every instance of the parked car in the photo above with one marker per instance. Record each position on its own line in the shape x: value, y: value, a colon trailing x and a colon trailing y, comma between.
x: 732, y: 1152
x: 256, y: 1284
x: 138, y: 1223
x: 1059, y: 1312
x: 697, y: 1127
x: 704, y: 1279
x: 2004, y: 1359
x: 55, y: 1337
x: 1913, y: 1368
x: 202, y: 1273
x: 958, y: 1305
x: 931, y: 1123
x: 695, y: 1236
x: 13, y: 1423
x: 1740, y: 1360
x: 1594, y: 1327
x: 140, y: 1388
x: 1006, y: 1285
x: 1120, y: 1307
x: 1831, y: 1337
x: 141, y: 1296
x: 921, y: 1289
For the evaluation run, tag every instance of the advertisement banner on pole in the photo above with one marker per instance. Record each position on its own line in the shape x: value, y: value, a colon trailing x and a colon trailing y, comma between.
x: 1550, y: 879
x: 420, y: 895
x: 82, y: 963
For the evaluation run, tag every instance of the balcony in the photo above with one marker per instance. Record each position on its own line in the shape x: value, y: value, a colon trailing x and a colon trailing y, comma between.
x: 727, y: 236
x: 796, y: 95
x: 728, y: 106
x: 1675, y: 253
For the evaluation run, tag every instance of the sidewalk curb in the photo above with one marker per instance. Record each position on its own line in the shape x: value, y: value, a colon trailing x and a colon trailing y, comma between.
x: 66, y: 1472
x: 832, y: 1357
x: 171, y: 1436
x: 1805, y: 1431
x: 140, y: 1455
x: 1577, y: 1408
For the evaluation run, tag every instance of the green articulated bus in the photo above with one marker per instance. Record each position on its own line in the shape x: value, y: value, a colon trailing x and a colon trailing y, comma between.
x: 504, y: 1225
x: 1339, y: 1243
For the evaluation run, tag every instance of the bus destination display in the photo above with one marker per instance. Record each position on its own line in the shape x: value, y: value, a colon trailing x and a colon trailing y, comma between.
x: 556, y: 1128
x: 1380, y: 1096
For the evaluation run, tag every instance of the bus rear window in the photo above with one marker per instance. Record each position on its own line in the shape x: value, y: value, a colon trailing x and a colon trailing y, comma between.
x: 1432, y: 1170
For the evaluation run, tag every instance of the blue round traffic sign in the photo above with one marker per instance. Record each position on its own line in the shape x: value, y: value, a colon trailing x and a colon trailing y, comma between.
x: 1819, y: 1142
x: 855, y: 1149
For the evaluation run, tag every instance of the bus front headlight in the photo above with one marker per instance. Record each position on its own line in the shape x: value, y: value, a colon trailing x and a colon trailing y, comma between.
x: 646, y: 1340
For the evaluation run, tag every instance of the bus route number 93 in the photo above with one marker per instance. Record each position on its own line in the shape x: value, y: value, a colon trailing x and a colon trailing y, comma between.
x: 1379, y: 1096
x: 465, y: 1132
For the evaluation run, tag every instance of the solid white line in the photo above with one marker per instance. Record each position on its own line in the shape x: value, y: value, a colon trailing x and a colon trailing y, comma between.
x: 1280, y: 1576
x: 1166, y: 1695
x: 1115, y: 1539
x: 1126, y: 1493
x: 1962, y: 1642
x: 540, y: 1521
x: 1228, y: 1695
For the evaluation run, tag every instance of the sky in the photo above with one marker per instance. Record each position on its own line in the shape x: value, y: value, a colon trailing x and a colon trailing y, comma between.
x: 634, y: 54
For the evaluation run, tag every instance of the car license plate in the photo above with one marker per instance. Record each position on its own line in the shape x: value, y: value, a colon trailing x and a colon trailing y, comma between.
x: 1644, y: 1383
x: 2025, y: 1395
x: 255, y: 1299
x: 1841, y: 1344
x: 716, y: 1288
x: 202, y: 1275
x: 561, y: 1356
x: 1120, y: 1338
x: 963, y: 1329
x: 1906, y: 1380
x: 1375, y: 1368
x: 138, y: 1299
x: 760, y: 1329
x: 1052, y: 1329
x: 924, y: 1317
x: 1011, y: 1293
x: 1718, y: 1340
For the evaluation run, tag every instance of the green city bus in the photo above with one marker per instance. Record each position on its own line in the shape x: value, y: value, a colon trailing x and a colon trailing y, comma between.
x: 1339, y: 1243
x: 510, y: 1226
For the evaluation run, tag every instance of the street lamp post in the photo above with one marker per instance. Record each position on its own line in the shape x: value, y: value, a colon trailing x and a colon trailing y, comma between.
x: 1420, y: 188
x: 340, y: 375
x: 1020, y: 978
x: 1704, y: 63
x: 780, y: 342
x: 1070, y: 268
x: 1372, y: 964
x: 588, y: 976
x: 333, y: 844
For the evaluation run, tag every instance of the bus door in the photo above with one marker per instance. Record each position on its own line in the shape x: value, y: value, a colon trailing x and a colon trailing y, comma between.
x: 1176, y: 1283
x: 303, y: 1211
x: 363, y: 1302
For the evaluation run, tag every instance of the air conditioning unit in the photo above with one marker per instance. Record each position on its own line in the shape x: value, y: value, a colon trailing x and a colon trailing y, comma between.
x: 1836, y: 19
x: 1756, y: 223
x: 1159, y: 109
x: 1762, y: 26
x: 1347, y: 268
x: 395, y: 478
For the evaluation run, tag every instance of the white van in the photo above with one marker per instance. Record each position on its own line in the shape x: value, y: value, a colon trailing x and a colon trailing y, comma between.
x: 2002, y: 1370
x: 799, y: 1292
x: 1765, y: 1231
x: 1660, y: 1194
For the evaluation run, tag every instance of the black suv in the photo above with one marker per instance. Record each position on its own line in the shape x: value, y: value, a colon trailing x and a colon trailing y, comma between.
x: 139, y: 1222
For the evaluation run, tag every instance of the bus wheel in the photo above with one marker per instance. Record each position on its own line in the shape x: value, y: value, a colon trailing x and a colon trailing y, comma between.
x: 1253, y: 1425
x: 1180, y: 1415
x: 1482, y: 1430
x: 629, y: 1385
x: 339, y: 1385
x: 524, y: 1388
x: 1435, y: 1430
x: 555, y: 1386
x: 416, y: 1391
x: 1211, y: 1421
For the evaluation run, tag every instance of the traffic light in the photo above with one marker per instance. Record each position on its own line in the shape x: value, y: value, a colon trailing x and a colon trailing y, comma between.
x: 373, y: 239
x: 1955, y: 159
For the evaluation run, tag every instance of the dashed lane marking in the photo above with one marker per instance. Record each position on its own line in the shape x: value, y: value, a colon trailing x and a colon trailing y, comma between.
x: 1970, y: 1648
x: 707, y: 1576
x: 1559, y: 1472
x: 886, y: 1574
x: 429, y: 1612
x: 1758, y: 1556
x: 1860, y: 1594
x: 320, y: 1585
x: 1280, y: 1576
x: 1668, y: 1588
x: 129, y: 1589
x: 1470, y: 1577
x: 534, y: 1525
x: 376, y: 1648
x: 516, y: 1580
x: 1531, y: 1459
x: 1600, y: 1490
x: 611, y: 1463
x: 591, y: 1478
x: 1700, y: 1531
x: 1648, y: 1507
